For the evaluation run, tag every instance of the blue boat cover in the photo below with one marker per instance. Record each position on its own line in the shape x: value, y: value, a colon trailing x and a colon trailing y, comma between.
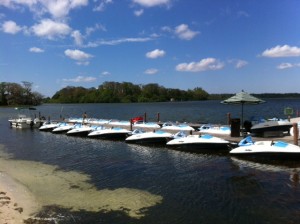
x: 206, y: 136
x: 281, y: 144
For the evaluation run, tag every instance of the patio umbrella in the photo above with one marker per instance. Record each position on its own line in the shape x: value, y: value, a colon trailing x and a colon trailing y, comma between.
x: 243, y: 98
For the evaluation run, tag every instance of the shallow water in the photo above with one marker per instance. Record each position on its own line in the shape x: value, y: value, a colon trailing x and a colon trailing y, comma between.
x: 80, y: 180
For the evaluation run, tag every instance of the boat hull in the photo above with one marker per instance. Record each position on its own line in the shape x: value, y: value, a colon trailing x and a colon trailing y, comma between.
x: 271, y: 126
x: 25, y: 124
x: 157, y: 140
x: 78, y: 133
x: 110, y: 136
x: 201, y: 147
x: 269, y: 155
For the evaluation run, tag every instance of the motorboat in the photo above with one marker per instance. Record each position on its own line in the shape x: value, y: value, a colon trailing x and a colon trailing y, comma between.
x: 142, y: 124
x: 110, y: 133
x: 80, y: 130
x: 25, y: 122
x: 271, y: 126
x: 48, y: 126
x: 75, y: 120
x: 177, y: 127
x: 213, y: 129
x: 63, y: 127
x: 150, y: 137
x: 199, y: 143
x: 117, y: 123
x: 271, y: 149
x: 100, y: 122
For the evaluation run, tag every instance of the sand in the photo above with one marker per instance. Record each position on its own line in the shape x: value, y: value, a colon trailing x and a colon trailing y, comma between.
x: 16, y: 202
x: 26, y: 187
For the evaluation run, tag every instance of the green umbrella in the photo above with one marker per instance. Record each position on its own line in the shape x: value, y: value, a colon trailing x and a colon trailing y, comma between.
x: 243, y: 98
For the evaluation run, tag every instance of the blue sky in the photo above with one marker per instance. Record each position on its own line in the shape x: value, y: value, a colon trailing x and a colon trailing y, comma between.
x: 222, y: 46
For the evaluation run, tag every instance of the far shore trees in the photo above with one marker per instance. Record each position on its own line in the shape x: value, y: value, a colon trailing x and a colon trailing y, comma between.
x: 17, y: 94
x: 126, y: 92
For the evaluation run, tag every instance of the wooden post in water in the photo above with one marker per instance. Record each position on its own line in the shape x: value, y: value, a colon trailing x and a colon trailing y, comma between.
x: 131, y: 124
x: 145, y: 117
x: 158, y: 117
x: 296, y: 133
x: 228, y: 118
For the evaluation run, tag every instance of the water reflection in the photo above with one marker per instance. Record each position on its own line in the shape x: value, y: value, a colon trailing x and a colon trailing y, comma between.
x: 289, y: 169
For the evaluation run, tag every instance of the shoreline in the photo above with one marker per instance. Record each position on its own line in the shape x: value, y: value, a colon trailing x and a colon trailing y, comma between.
x: 17, y: 203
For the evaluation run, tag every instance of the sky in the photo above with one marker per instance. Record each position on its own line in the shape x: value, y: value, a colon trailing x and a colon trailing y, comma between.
x: 221, y: 46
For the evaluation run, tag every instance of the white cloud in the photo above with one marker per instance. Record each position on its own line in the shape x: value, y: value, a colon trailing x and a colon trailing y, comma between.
x: 166, y: 29
x: 105, y: 73
x: 56, y: 8
x: 241, y: 63
x: 78, y: 55
x: 155, y: 53
x: 184, y: 33
x: 282, y: 51
x: 151, y: 71
x: 78, y: 38
x: 118, y: 41
x: 102, y: 5
x: 81, y: 79
x: 152, y: 3
x: 36, y: 50
x: 288, y: 65
x: 10, y: 27
x: 238, y: 63
x: 139, y: 12
x: 97, y: 26
x: 51, y: 29
x: 202, y: 65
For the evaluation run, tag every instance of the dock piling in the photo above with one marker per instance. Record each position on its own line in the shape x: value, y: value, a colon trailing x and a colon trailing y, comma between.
x: 228, y: 118
x: 296, y: 133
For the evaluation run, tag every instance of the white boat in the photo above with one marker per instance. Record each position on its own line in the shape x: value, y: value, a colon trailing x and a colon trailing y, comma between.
x: 80, y: 130
x: 25, y: 122
x: 212, y: 129
x: 271, y: 149
x: 177, y: 127
x: 199, y: 143
x: 48, y: 126
x: 115, y: 122
x: 142, y: 124
x: 110, y: 133
x: 158, y: 136
x: 63, y: 127
x: 75, y: 120
x: 271, y: 126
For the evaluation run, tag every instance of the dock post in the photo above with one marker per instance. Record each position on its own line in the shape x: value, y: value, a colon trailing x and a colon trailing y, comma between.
x: 296, y: 133
x: 158, y: 117
x: 131, y: 124
x: 145, y: 117
x: 228, y: 118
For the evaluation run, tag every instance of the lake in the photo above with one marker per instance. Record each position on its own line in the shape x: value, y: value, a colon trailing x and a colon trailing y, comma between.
x: 81, y: 180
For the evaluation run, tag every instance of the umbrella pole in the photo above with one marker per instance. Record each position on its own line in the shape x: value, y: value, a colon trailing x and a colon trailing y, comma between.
x: 242, y: 117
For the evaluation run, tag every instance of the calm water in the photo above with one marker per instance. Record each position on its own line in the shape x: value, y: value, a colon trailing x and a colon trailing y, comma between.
x: 99, y: 181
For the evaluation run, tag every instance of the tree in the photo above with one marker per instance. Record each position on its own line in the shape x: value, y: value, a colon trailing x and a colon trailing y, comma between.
x: 16, y: 94
x: 126, y: 92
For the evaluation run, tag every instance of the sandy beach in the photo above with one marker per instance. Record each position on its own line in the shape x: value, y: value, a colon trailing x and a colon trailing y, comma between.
x: 17, y: 204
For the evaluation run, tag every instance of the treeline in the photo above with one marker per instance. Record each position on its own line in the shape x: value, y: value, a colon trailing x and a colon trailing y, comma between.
x: 113, y: 92
x: 16, y: 94
x: 224, y: 96
x: 126, y: 92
